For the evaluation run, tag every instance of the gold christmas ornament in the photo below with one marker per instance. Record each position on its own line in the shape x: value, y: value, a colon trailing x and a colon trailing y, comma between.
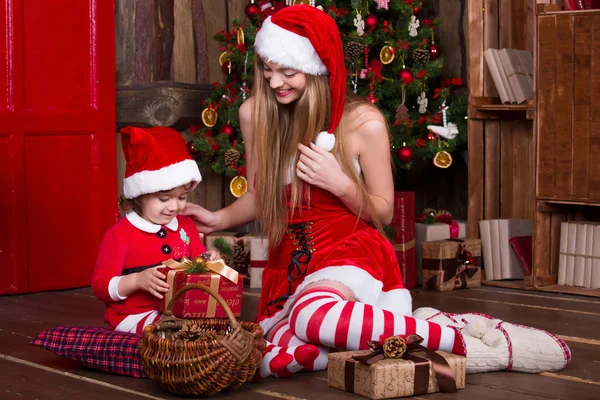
x: 387, y: 54
x: 238, y: 186
x: 307, y: 2
x: 209, y: 117
x: 442, y: 159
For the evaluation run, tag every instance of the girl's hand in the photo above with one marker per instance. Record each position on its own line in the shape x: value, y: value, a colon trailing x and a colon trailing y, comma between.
x: 205, y: 220
x: 320, y: 168
x: 153, y: 281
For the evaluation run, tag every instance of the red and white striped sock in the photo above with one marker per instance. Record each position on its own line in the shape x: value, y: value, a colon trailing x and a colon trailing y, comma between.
x: 322, y: 316
x: 284, y: 361
x: 282, y: 335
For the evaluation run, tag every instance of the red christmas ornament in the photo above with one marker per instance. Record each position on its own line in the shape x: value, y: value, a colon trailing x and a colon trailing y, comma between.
x: 371, y: 22
x: 371, y: 98
x: 191, y: 148
x: 405, y: 154
x: 406, y: 75
x: 431, y: 135
x: 252, y: 10
x: 416, y: 10
x: 434, y: 51
x: 229, y: 130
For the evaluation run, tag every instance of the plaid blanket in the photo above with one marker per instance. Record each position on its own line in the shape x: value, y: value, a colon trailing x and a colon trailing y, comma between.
x: 95, y: 347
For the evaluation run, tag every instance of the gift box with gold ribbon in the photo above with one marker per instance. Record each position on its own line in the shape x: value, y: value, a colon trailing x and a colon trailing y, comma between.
x: 195, y: 304
x: 397, y: 367
x: 451, y: 264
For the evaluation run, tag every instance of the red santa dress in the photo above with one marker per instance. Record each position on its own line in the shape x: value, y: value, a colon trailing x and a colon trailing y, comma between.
x: 133, y: 245
x: 326, y: 241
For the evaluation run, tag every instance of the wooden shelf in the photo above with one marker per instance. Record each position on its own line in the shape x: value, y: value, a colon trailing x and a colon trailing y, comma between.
x: 510, y: 284
x: 549, y: 9
x: 491, y: 108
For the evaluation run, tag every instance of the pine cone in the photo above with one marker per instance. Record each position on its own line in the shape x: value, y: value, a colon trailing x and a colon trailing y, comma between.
x: 232, y: 156
x: 394, y: 347
x: 239, y: 259
x: 421, y: 56
x: 402, y: 113
x: 354, y: 51
x: 189, y: 332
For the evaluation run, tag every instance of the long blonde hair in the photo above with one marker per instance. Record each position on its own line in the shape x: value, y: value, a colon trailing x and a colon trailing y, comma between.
x: 277, y: 129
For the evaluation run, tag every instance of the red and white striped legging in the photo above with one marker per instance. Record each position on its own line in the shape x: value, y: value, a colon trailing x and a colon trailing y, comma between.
x: 322, y: 316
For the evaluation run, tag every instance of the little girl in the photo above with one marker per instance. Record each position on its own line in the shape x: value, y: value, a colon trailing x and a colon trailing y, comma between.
x: 158, y: 177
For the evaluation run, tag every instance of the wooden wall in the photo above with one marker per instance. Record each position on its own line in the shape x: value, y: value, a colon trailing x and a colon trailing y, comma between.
x: 166, y: 61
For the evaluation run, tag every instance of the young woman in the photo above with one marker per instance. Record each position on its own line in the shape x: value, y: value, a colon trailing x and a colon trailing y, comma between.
x: 332, y: 279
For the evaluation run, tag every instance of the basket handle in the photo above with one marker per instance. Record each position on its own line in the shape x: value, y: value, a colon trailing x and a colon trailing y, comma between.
x: 169, y: 309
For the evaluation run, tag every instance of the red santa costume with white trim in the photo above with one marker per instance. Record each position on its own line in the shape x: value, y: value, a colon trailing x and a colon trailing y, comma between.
x: 157, y: 159
x: 326, y: 241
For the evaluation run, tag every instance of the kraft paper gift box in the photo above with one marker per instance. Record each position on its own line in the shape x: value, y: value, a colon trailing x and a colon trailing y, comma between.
x: 451, y: 264
x: 196, y: 303
x: 436, y: 231
x: 259, y: 255
x: 390, y: 378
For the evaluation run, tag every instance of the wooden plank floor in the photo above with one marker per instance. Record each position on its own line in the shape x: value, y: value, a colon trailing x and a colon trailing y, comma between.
x: 28, y: 372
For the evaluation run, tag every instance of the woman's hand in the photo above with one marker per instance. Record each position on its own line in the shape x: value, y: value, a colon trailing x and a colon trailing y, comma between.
x: 205, y: 220
x: 212, y: 255
x: 153, y: 281
x: 321, y: 169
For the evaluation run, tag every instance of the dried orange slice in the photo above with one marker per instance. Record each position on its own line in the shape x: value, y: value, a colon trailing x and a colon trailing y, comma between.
x: 386, y: 55
x: 209, y: 117
x: 238, y: 186
x: 223, y: 58
x: 240, y: 36
x: 442, y: 159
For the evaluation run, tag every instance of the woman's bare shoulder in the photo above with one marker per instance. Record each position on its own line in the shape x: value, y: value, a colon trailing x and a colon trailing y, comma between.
x: 367, y: 121
x: 246, y: 109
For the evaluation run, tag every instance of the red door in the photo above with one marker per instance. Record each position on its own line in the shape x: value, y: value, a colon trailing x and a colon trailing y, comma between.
x: 58, y: 188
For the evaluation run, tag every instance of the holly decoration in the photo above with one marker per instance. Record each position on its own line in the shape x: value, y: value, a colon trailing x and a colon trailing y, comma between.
x: 431, y: 135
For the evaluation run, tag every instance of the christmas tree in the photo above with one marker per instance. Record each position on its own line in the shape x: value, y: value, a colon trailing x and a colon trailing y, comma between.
x: 392, y: 61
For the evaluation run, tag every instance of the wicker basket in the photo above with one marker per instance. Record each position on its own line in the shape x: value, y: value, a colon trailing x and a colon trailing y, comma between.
x: 226, y: 354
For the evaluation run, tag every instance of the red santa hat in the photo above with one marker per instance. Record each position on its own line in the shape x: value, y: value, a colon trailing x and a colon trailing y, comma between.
x: 157, y: 159
x: 307, y: 39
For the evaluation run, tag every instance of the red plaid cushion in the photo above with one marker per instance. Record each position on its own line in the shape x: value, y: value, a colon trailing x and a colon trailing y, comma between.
x: 95, y: 347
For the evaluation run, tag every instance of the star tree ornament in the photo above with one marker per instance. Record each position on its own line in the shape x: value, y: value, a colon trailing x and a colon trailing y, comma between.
x: 412, y: 26
x: 382, y: 4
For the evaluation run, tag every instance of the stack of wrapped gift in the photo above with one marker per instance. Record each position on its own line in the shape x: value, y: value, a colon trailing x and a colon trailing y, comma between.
x: 434, y: 225
x: 396, y: 368
x: 259, y: 254
x: 451, y: 264
x: 403, y: 223
x: 195, y: 303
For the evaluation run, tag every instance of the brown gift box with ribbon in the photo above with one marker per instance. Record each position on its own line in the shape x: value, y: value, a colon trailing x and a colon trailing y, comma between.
x: 195, y: 304
x: 451, y: 264
x: 369, y: 373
